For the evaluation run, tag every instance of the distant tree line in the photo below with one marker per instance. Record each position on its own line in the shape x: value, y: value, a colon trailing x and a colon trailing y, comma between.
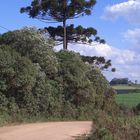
x: 119, y: 81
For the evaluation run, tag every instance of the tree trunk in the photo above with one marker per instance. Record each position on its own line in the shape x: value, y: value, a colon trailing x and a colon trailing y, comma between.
x: 65, y: 36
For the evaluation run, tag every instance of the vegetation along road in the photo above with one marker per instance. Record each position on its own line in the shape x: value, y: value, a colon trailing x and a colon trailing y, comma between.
x: 45, y: 131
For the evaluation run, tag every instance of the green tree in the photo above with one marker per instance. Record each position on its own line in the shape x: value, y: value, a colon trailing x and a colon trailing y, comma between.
x: 99, y: 62
x: 30, y: 43
x: 17, y: 77
x: 24, y: 87
x: 74, y: 34
x: 36, y: 81
x: 59, y: 10
x: 104, y: 98
x: 73, y: 73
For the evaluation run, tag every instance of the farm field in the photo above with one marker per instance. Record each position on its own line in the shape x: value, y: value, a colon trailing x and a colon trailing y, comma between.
x: 129, y: 100
x: 128, y: 95
x: 126, y: 87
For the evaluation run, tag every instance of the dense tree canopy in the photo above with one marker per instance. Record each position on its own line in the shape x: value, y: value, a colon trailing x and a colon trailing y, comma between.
x: 60, y: 11
x: 117, y: 81
x: 30, y: 43
x: 36, y: 81
x: 74, y: 34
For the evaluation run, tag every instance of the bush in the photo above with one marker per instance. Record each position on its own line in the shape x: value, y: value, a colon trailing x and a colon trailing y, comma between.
x: 35, y: 81
x: 77, y: 87
x: 107, y: 127
x: 30, y: 43
x: 137, y: 109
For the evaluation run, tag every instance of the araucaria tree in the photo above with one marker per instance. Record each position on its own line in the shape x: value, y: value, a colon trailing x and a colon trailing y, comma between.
x: 77, y: 34
x: 59, y: 11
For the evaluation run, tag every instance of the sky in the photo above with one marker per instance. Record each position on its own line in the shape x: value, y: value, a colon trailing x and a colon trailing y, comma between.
x: 117, y: 21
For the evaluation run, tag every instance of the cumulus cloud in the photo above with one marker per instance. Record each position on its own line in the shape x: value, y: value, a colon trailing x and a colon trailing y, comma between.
x: 127, y: 62
x: 133, y: 36
x: 130, y: 10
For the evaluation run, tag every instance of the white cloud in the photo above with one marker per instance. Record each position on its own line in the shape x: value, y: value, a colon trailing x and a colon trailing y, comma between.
x: 133, y: 36
x: 127, y: 62
x: 130, y: 10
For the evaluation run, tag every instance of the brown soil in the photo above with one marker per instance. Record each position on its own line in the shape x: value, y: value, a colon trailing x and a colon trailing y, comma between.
x: 45, y: 131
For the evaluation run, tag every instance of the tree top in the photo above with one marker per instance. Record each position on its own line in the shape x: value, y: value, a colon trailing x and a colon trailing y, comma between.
x: 58, y: 10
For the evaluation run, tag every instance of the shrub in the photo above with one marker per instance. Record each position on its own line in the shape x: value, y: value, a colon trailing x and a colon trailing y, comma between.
x: 76, y: 86
x: 107, y: 127
x: 35, y: 81
x: 29, y: 42
x: 137, y: 109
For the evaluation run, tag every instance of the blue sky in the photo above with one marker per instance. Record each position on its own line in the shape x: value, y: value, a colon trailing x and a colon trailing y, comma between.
x: 12, y: 19
x: 117, y: 21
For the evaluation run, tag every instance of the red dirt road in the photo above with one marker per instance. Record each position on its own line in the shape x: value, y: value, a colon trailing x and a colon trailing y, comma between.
x: 45, y: 131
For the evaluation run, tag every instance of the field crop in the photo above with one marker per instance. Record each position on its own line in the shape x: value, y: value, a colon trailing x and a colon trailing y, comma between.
x: 129, y: 100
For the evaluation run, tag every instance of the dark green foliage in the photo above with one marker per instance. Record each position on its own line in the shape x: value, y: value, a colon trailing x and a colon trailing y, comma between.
x: 104, y: 98
x: 107, y: 127
x: 17, y: 77
x: 76, y: 86
x: 99, y: 62
x: 60, y: 11
x: 24, y: 87
x: 137, y: 109
x: 30, y: 43
x: 35, y: 81
x: 119, y: 81
x: 74, y: 34
x: 83, y: 85
x: 3, y: 102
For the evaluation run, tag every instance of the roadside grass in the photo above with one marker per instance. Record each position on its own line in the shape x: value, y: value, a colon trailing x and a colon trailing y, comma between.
x: 6, y: 120
x: 17, y: 119
x: 107, y: 127
x: 129, y: 100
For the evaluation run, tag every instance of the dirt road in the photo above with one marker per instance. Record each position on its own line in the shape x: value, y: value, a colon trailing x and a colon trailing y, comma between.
x: 45, y: 131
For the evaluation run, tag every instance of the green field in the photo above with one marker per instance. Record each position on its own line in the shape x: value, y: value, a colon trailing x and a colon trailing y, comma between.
x: 119, y: 87
x: 129, y: 100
